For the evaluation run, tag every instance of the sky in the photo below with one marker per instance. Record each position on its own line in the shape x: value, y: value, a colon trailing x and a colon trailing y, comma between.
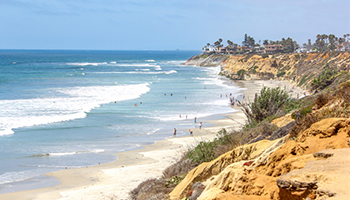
x: 164, y: 24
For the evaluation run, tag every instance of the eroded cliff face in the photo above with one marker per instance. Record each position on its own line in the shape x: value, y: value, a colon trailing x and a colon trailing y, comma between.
x: 300, y: 69
x: 311, y: 162
x: 259, y: 176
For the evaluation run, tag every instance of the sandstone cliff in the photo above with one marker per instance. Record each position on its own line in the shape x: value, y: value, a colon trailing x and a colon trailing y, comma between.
x: 300, y: 69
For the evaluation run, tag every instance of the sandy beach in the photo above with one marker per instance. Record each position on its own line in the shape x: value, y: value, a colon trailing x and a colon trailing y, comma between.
x: 115, y: 180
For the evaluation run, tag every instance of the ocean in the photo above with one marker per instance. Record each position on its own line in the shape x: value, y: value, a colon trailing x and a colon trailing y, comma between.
x: 68, y: 109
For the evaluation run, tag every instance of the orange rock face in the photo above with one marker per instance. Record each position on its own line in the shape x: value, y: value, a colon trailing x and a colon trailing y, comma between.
x: 284, y: 175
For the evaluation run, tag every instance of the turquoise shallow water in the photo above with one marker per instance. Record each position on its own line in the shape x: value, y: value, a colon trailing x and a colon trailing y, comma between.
x: 69, y: 109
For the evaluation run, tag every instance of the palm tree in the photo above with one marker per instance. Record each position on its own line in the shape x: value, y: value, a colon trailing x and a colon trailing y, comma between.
x: 266, y: 42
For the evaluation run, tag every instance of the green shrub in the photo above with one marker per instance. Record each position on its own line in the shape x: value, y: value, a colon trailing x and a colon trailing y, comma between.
x: 324, y: 79
x: 203, y: 152
x: 296, y: 104
x: 282, y: 73
x: 302, y: 112
x: 267, y: 103
x: 303, y: 80
x: 208, y: 151
x: 225, y: 138
x: 240, y: 73
x: 175, y: 180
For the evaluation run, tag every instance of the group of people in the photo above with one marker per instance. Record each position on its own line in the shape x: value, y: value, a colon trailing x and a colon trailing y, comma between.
x: 189, y: 130
x: 234, y: 100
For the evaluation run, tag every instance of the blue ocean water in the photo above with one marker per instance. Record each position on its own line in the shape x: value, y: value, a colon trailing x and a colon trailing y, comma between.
x: 70, y: 109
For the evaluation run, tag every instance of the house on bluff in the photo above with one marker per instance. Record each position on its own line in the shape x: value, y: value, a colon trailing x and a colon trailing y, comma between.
x: 272, y: 49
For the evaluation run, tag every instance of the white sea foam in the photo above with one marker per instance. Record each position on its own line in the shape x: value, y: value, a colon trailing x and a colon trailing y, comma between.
x: 9, y: 177
x: 7, y: 131
x: 150, y: 60
x: 136, y: 65
x: 175, y: 62
x: 113, y: 62
x: 139, y: 72
x: 87, y: 63
x: 62, y: 154
x: 152, y: 131
x: 78, y: 101
x: 59, y: 154
x: 157, y: 67
x: 171, y: 72
x: 98, y: 150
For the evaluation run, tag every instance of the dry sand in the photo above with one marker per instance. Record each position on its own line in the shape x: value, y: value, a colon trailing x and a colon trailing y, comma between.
x: 115, y: 180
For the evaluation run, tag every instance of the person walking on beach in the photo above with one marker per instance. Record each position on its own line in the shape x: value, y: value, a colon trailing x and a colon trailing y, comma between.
x: 174, y: 132
x: 200, y: 125
x: 195, y: 119
x: 190, y: 131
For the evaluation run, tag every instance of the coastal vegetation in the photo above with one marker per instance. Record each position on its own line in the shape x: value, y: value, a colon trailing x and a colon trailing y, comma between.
x: 276, y: 124
x: 267, y: 103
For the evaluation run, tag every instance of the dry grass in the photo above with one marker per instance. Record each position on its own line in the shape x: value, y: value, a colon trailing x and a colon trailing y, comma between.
x: 322, y: 100
x: 263, y: 129
x: 159, y: 189
x: 151, y: 189
x: 183, y: 166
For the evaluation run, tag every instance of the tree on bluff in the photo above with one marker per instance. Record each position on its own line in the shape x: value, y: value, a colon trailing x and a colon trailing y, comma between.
x: 218, y: 43
x: 248, y: 41
x: 288, y: 45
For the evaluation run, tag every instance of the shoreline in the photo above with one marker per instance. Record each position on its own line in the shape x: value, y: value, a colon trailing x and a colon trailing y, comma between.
x: 116, y: 179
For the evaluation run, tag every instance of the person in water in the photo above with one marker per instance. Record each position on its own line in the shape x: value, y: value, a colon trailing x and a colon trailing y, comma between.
x: 190, y: 131
x: 174, y: 132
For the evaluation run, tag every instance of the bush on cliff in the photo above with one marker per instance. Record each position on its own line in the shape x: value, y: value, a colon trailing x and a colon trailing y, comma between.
x: 266, y: 104
x: 324, y: 79
x: 207, y: 151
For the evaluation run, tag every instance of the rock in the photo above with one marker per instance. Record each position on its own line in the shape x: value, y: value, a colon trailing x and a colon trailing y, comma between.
x: 322, y: 154
x: 320, y: 178
x: 196, y: 191
x: 283, y: 131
